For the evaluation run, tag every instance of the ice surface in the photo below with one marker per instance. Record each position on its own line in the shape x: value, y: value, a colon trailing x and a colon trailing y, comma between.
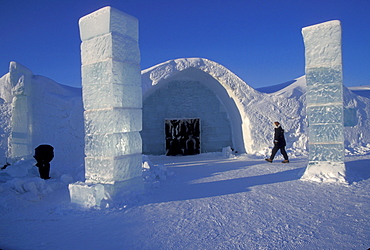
x: 112, y: 95
x: 106, y: 20
x: 324, y: 101
x: 20, y: 121
x: 112, y: 144
x: 111, y: 45
x: 111, y: 71
x: 325, y: 114
x: 324, y: 85
x: 330, y: 152
x: 21, y: 138
x: 88, y: 195
x: 323, y: 44
x: 19, y: 77
x: 326, y: 133
x: 113, y: 120
x: 112, y: 169
x: 350, y: 117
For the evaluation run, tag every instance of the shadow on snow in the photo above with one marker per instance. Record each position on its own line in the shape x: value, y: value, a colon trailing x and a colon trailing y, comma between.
x: 202, y: 179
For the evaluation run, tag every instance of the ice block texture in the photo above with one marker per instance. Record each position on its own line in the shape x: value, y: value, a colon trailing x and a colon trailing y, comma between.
x: 112, y: 96
x: 323, y: 45
x: 88, y: 195
x: 324, y: 85
x: 111, y: 71
x: 325, y: 152
x: 112, y: 144
x: 21, y: 134
x: 324, y: 101
x: 113, y: 120
x: 99, y: 96
x: 111, y: 45
x: 112, y: 169
x: 106, y: 20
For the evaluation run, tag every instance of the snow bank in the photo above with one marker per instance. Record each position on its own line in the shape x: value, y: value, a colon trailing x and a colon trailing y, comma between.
x: 154, y: 174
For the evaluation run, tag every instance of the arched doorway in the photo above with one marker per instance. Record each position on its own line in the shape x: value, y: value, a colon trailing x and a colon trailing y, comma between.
x: 191, y: 94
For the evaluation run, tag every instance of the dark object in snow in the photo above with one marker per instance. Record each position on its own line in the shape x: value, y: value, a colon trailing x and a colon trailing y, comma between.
x: 279, y: 143
x: 182, y: 136
x: 43, y: 155
x: 6, y: 165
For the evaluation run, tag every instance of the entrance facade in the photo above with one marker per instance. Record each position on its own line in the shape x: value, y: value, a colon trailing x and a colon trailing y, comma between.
x: 187, y: 95
x: 182, y: 136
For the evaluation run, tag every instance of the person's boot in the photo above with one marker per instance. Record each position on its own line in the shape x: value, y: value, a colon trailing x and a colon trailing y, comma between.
x: 285, y: 161
x: 269, y: 160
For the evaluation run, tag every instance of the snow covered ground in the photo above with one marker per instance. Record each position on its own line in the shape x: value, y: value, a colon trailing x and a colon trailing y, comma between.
x: 210, y: 202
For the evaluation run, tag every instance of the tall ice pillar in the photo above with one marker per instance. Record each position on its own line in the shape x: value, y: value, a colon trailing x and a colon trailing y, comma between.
x: 21, y: 134
x: 323, y: 54
x: 112, y: 97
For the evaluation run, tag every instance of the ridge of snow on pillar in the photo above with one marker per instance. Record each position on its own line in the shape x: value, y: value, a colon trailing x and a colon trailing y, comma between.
x: 112, y: 97
x: 323, y: 53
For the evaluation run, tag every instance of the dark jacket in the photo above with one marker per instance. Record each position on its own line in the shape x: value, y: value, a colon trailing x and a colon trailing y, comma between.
x: 279, y: 137
x: 44, y: 153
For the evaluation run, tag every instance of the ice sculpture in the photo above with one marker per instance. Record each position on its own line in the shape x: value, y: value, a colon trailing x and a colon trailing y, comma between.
x: 324, y: 102
x: 112, y: 97
x: 21, y: 136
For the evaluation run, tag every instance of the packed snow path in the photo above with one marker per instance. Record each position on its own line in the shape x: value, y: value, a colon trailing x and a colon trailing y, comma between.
x: 210, y: 203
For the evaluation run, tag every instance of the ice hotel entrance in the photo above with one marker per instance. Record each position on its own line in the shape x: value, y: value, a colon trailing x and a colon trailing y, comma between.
x: 182, y: 136
x: 191, y: 102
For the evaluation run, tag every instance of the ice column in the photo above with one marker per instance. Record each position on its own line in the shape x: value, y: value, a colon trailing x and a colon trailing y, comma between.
x: 112, y: 96
x: 323, y: 54
x: 21, y: 136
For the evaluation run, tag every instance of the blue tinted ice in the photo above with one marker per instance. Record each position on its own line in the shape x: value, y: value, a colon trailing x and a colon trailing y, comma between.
x: 324, y: 101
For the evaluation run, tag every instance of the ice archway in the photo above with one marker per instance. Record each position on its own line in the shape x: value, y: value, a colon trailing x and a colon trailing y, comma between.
x: 195, y: 87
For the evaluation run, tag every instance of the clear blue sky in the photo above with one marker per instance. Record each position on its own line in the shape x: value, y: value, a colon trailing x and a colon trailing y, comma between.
x: 259, y: 40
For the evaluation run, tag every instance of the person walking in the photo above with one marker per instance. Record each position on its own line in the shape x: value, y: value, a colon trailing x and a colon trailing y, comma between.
x: 279, y: 143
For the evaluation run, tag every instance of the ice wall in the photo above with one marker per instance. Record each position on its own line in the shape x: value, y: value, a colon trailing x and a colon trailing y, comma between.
x: 112, y: 96
x: 36, y: 110
x: 185, y: 99
x: 324, y: 102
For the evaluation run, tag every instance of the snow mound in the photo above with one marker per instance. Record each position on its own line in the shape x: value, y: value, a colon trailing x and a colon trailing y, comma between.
x: 154, y: 174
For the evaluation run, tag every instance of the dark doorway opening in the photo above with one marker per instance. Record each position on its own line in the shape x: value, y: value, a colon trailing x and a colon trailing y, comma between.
x: 182, y: 136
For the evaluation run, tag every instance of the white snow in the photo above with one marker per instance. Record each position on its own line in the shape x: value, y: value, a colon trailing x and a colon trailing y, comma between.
x: 205, y: 201
x: 209, y: 203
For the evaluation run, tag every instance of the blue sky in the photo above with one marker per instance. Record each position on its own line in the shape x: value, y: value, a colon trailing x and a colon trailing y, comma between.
x: 258, y: 40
